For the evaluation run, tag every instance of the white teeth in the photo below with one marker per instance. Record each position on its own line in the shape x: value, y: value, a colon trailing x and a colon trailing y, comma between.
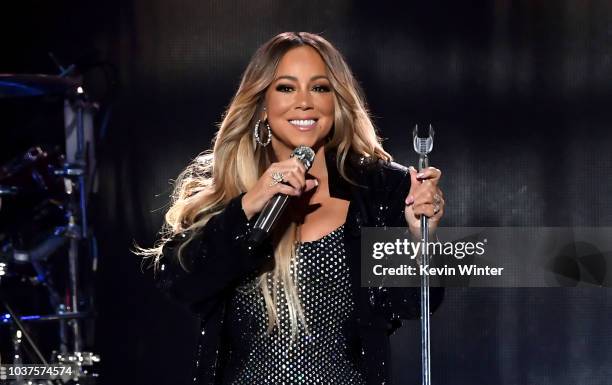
x: 308, y: 122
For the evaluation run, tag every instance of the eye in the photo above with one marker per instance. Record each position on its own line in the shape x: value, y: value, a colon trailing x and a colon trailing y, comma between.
x: 284, y: 88
x: 321, y: 88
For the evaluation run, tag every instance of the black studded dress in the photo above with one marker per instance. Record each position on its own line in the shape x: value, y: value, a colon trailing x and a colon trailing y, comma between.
x: 231, y: 348
x: 318, y: 357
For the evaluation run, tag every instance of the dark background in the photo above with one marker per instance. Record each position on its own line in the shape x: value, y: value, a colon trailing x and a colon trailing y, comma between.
x: 519, y: 93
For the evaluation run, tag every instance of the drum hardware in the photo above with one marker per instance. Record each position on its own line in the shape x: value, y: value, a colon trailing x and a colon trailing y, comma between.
x: 20, y: 330
x: 63, y: 328
x: 8, y: 190
x: 81, y: 358
x: 46, y: 248
x: 16, y: 85
x: 7, y: 318
x: 32, y: 175
x: 43, y: 200
x: 70, y: 170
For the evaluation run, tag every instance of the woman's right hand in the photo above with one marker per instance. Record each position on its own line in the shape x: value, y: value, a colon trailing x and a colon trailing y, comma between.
x: 294, y: 174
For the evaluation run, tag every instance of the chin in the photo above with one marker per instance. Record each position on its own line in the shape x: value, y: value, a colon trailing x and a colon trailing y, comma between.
x: 313, y: 143
x: 292, y: 140
x: 302, y: 140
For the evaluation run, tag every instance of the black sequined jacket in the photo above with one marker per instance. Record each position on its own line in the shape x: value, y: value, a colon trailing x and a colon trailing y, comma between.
x: 217, y: 261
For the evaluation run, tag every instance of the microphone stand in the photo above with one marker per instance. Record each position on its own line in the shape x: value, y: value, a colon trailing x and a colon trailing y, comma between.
x: 423, y: 144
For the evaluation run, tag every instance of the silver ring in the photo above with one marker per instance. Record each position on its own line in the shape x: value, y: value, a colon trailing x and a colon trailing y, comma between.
x: 277, y: 177
x: 436, y: 208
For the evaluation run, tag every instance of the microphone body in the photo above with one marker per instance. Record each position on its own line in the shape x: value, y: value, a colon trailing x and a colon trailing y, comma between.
x: 268, y: 217
x: 272, y: 211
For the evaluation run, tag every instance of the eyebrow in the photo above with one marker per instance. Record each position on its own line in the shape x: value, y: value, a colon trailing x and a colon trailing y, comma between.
x: 296, y: 79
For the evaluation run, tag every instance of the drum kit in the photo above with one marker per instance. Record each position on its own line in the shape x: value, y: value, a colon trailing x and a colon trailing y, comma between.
x: 48, y: 256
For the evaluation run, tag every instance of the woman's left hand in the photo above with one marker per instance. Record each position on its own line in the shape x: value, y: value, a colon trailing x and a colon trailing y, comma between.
x: 424, y: 198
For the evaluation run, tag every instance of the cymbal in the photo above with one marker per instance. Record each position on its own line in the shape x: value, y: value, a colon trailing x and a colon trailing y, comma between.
x: 8, y: 190
x: 22, y: 85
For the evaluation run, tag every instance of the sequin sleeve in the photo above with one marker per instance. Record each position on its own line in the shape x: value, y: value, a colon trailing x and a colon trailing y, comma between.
x: 212, y: 260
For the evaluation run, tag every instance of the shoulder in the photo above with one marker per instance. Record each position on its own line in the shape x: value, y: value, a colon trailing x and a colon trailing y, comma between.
x: 377, y: 172
x: 384, y: 186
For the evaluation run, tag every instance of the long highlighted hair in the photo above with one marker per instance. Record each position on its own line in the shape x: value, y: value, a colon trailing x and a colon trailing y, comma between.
x: 236, y: 162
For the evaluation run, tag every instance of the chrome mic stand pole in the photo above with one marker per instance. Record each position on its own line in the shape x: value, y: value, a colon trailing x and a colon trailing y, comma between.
x: 78, y: 218
x: 80, y: 156
x: 423, y: 144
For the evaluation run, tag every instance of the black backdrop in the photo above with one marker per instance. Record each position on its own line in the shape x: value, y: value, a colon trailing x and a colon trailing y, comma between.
x: 518, y: 92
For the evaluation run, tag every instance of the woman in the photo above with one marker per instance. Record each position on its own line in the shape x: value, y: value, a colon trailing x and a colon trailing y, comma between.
x: 292, y: 310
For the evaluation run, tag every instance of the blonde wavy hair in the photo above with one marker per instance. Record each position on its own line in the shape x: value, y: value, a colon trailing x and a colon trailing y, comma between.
x: 236, y: 162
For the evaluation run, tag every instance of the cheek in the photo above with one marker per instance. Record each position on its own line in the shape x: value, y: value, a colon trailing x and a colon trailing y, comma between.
x: 324, y: 105
x: 278, y: 109
x: 326, y: 108
x: 276, y: 104
x: 280, y: 101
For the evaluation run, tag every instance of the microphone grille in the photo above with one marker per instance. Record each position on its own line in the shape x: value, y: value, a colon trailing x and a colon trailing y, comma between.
x: 423, y: 146
x: 423, y: 139
x: 305, y: 155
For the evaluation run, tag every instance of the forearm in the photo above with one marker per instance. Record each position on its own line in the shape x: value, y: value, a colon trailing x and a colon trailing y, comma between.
x: 211, y: 260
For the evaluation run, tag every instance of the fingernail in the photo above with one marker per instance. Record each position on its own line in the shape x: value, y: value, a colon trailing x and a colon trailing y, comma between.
x: 421, y: 175
x: 409, y: 200
x: 411, y: 168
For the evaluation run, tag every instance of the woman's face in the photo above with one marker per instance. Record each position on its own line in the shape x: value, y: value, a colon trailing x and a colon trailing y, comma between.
x: 299, y: 102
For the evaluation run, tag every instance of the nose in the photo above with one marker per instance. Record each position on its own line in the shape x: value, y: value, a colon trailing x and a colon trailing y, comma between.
x: 304, y: 100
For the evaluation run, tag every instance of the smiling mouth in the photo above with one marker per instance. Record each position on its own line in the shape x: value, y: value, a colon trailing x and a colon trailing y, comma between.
x: 304, y: 124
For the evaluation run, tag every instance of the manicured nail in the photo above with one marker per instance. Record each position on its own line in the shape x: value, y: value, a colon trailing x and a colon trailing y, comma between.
x: 421, y: 175
x: 409, y: 200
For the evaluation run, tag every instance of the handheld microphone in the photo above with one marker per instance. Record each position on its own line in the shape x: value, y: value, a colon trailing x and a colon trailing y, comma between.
x: 275, y: 206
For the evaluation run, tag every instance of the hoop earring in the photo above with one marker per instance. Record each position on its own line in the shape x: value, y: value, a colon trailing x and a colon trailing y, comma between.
x: 257, y: 136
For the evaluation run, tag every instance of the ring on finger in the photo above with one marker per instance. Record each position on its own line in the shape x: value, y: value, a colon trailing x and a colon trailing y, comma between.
x: 436, y: 198
x: 436, y: 208
x: 277, y: 177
